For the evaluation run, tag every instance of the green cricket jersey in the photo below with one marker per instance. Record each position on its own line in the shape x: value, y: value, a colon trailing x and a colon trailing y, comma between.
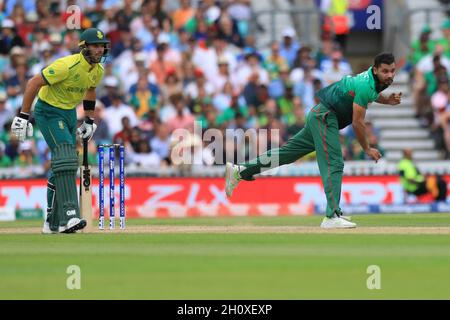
x: 68, y: 79
x: 361, y: 89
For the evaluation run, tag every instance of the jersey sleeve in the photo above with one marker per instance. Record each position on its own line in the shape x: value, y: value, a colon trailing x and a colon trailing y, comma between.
x: 55, y: 72
x: 364, y: 95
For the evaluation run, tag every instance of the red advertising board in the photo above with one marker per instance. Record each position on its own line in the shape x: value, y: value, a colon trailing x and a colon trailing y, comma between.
x: 181, y: 197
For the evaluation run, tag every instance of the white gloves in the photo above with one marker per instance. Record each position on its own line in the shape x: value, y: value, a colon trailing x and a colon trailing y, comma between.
x: 87, y: 129
x: 21, y: 128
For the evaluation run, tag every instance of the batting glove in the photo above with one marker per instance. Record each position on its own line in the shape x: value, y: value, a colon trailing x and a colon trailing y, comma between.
x: 87, y: 129
x: 21, y: 127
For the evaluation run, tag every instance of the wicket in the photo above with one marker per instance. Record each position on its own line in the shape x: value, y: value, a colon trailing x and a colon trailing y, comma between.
x: 101, y: 151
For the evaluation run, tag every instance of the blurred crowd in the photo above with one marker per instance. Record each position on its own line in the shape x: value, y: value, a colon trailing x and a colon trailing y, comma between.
x: 429, y: 63
x: 172, y: 64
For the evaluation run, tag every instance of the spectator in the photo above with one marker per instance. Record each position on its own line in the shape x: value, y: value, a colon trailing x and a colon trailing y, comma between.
x: 112, y: 88
x: 6, y: 113
x: 222, y: 100
x: 172, y: 85
x: 336, y: 22
x: 144, y: 97
x: 240, y: 11
x: 160, y: 144
x: 125, y: 15
x: 252, y: 68
x: 302, y: 57
x: 445, y: 119
x: 96, y: 13
x: 193, y: 89
x: 237, y: 106
x: 335, y: 68
x: 278, y: 85
x: 305, y: 62
x: 5, y: 161
x: 58, y: 48
x: 306, y: 90
x: 121, y: 38
x: 169, y: 54
x: 275, y: 62
x: 8, y: 37
x: 45, y: 53
x: 299, y: 116
x: 12, y: 148
x: 286, y: 105
x: 39, y: 39
x: 144, y: 156
x: 114, y: 114
x: 156, y: 11
x: 439, y: 104
x: 414, y: 183
x: 289, y: 47
x: 445, y: 40
x: 123, y: 135
x: 26, y: 155
x: 101, y: 135
x: 211, y: 11
x: 182, y: 15
x: 182, y: 119
x: 160, y: 65
x: 228, y: 30
x: 421, y: 47
x: 20, y: 78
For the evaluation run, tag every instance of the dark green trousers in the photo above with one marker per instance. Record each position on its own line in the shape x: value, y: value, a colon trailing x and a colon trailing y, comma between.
x: 57, y: 126
x: 320, y: 134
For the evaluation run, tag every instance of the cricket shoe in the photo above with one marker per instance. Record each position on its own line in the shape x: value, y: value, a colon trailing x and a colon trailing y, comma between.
x: 73, y: 225
x: 232, y: 178
x: 336, y: 222
x: 46, y: 229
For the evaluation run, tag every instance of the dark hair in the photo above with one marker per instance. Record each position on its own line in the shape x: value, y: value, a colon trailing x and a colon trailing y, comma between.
x: 385, y: 57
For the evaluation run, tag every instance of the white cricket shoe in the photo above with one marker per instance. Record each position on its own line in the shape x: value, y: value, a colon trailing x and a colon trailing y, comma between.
x: 46, y: 229
x: 336, y: 222
x: 73, y: 225
x: 232, y: 178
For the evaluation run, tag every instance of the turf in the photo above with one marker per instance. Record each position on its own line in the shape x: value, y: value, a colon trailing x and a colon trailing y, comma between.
x: 230, y: 266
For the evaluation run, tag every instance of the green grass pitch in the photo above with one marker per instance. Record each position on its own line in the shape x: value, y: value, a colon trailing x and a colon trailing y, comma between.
x: 296, y: 265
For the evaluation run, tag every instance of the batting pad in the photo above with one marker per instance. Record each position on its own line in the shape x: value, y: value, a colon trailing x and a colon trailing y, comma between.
x: 65, y: 166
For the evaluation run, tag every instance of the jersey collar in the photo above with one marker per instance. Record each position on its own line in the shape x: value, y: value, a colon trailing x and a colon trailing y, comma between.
x: 372, y: 77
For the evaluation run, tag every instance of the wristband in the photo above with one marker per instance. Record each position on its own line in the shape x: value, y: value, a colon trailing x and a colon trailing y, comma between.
x: 24, y: 115
x: 88, y: 120
x: 88, y: 105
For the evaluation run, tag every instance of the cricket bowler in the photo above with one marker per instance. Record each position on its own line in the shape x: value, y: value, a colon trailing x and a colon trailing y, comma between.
x: 60, y: 87
x: 341, y: 104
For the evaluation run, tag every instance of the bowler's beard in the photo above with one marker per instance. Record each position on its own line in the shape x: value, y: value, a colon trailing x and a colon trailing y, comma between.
x: 379, y: 86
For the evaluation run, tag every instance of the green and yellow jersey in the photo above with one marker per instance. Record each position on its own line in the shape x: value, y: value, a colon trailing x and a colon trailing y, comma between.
x: 68, y: 79
x: 361, y: 89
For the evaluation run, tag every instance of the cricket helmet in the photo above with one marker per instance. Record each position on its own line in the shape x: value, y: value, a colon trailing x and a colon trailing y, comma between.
x: 93, y: 36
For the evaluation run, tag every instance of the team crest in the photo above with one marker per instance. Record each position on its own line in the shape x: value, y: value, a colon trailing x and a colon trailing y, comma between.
x: 61, y: 125
x: 51, y: 71
x: 99, y: 35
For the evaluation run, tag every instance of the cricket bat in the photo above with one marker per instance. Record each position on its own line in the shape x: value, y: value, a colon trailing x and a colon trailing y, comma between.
x: 85, y: 189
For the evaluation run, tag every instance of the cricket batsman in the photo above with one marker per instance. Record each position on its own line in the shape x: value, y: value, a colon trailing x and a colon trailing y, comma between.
x: 341, y: 104
x: 60, y: 87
